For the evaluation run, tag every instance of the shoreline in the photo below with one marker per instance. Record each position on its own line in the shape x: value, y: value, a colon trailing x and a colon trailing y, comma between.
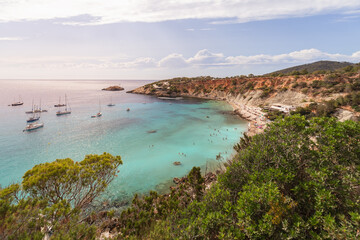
x: 255, y: 117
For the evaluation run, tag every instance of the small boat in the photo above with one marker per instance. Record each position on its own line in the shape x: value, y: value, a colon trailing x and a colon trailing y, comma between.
x: 39, y: 109
x: 19, y: 103
x: 33, y: 126
x: 171, y: 98
x: 99, y: 114
x: 32, y: 108
x: 59, y: 113
x: 33, y: 119
x: 128, y: 109
x: 36, y: 109
x: 111, y: 103
x: 65, y: 111
x: 60, y: 104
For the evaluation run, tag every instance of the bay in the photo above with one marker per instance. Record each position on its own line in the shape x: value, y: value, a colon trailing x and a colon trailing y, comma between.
x: 149, y: 137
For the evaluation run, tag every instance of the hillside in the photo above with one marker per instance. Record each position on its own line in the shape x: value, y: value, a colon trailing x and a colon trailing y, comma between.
x: 338, y: 90
x: 331, y: 94
x: 319, y: 66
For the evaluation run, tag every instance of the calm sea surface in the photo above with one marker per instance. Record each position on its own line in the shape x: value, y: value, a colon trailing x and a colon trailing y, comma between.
x: 183, y: 132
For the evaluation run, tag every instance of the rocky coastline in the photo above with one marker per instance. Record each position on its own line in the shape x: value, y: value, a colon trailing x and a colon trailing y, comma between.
x: 247, y: 96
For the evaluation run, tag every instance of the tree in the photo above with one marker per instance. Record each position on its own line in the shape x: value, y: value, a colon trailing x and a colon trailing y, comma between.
x: 53, y: 197
x: 77, y: 182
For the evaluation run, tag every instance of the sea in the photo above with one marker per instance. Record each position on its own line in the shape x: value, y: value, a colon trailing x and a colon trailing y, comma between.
x: 150, y: 137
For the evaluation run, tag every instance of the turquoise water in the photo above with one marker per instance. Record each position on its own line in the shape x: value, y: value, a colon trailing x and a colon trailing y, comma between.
x: 183, y: 132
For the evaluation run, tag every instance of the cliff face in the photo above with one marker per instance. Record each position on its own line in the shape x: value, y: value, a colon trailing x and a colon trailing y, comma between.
x: 256, y: 91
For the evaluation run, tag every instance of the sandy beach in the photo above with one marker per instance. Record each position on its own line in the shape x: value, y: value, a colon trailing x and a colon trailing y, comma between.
x: 256, y: 118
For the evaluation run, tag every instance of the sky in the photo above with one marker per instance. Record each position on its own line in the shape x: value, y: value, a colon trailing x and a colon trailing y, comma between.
x: 148, y: 39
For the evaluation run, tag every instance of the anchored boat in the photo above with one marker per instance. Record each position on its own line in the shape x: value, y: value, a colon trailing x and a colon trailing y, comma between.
x: 33, y: 126
x: 99, y: 114
x: 19, y: 103
x: 66, y: 110
x: 60, y: 104
x: 111, y: 103
x: 33, y: 119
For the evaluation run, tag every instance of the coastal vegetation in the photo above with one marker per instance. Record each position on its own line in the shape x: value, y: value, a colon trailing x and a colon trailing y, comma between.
x: 299, y: 179
x: 318, y: 67
x: 54, y: 198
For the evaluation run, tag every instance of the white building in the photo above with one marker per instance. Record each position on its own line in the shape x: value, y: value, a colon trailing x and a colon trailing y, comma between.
x: 282, y: 107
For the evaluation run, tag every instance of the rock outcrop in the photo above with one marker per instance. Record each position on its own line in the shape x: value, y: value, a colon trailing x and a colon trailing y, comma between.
x: 113, y: 88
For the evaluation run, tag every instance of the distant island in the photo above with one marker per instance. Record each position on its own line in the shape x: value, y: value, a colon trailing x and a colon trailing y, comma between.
x: 113, y: 88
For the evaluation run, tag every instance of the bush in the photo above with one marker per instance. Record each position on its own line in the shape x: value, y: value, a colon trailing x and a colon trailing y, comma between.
x: 54, y: 198
x: 298, y: 180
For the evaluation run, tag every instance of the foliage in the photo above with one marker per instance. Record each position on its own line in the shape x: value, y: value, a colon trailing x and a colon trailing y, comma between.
x: 140, y: 217
x: 53, y: 197
x: 319, y: 67
x: 266, y: 92
x: 297, y: 180
x: 77, y: 182
x: 274, y: 114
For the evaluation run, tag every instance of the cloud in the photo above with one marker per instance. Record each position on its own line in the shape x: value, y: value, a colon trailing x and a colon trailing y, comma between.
x: 201, y: 60
x: 205, y: 57
x: 200, y: 29
x: 173, y: 61
x: 140, y: 63
x: 112, y: 11
x: 11, y: 38
x: 302, y: 56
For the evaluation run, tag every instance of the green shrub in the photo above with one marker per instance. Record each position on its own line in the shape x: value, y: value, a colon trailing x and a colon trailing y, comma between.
x: 298, y: 180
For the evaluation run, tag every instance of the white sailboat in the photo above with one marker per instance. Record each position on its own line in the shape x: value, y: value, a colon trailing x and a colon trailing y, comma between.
x: 111, y: 103
x: 19, y: 103
x: 35, y: 117
x: 66, y: 110
x: 99, y: 114
x: 32, y: 109
x: 33, y: 126
x: 60, y: 104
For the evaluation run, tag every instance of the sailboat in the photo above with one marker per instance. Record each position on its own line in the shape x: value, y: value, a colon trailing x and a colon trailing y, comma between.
x: 34, y: 118
x: 20, y: 102
x: 33, y: 126
x: 99, y: 114
x: 66, y: 110
x: 111, y: 103
x: 60, y: 104
x: 37, y: 110
x: 32, y: 108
